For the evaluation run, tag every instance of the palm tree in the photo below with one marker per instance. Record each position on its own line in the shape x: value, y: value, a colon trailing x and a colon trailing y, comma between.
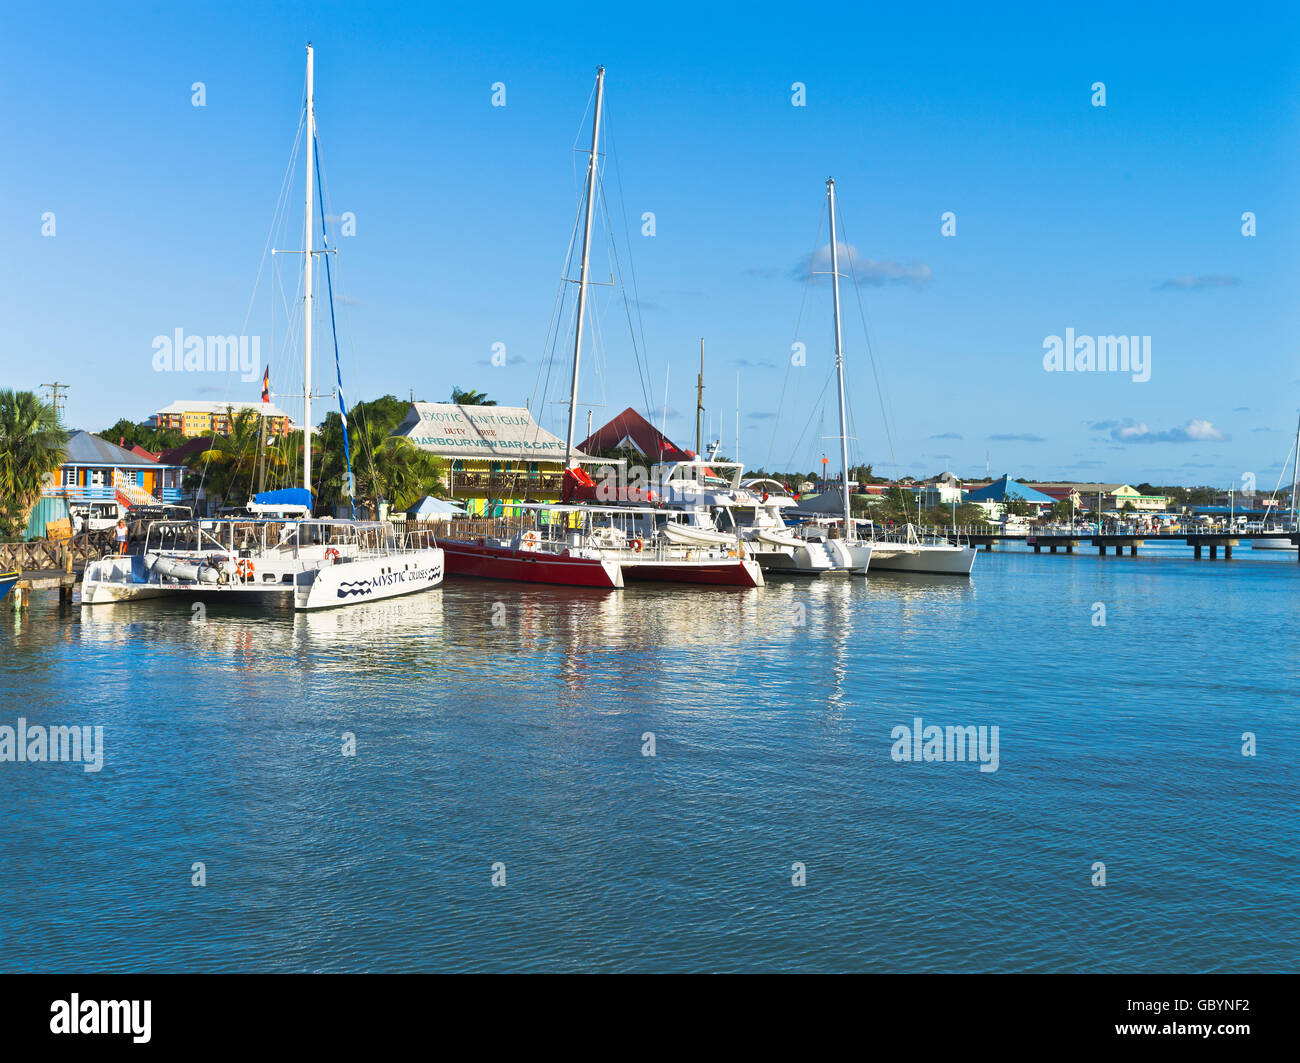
x: 470, y: 398
x: 32, y: 445
x: 229, y: 466
x: 392, y: 468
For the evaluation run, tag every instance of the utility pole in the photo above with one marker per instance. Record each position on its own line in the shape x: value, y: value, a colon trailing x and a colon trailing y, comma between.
x: 699, y: 399
x: 56, y: 400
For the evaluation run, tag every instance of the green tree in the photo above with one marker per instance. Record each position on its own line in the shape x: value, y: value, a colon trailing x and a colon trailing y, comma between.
x: 964, y: 515
x: 1061, y: 510
x: 127, y: 433
x: 382, y: 471
x: 229, y: 466
x: 32, y: 445
x: 470, y: 398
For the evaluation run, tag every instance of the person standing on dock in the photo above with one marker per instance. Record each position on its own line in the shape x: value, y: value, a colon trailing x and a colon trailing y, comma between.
x: 120, y: 533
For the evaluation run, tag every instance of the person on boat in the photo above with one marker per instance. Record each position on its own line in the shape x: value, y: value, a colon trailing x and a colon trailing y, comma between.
x: 120, y: 535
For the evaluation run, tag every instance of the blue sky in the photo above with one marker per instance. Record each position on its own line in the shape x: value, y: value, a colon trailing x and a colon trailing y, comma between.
x: 1117, y: 220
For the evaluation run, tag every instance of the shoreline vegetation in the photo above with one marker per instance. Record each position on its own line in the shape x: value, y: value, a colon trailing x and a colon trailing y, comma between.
x: 390, y: 468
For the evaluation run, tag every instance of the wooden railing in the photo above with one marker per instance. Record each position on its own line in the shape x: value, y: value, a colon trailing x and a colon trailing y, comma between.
x: 55, y: 555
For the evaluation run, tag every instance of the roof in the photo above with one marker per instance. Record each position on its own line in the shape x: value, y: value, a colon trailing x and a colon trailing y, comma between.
x: 1005, y: 488
x: 431, y: 507
x: 85, y: 449
x: 630, y: 431
x: 492, y: 433
x: 269, y: 409
x: 197, y: 445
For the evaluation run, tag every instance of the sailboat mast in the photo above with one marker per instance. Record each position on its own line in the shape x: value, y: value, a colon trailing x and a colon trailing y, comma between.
x: 307, y: 263
x: 699, y: 399
x: 1295, y: 475
x: 592, y: 162
x: 839, y: 359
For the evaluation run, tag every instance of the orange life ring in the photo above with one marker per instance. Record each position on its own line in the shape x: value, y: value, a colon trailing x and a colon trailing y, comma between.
x: 637, y: 545
x: 245, y: 569
x: 331, y: 554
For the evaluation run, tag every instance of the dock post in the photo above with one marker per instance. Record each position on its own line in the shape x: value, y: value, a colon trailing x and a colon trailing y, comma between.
x: 1196, y: 551
x: 1038, y: 549
x: 1053, y: 547
x: 1132, y: 550
x: 1227, y: 551
x: 1069, y: 548
x: 1101, y: 550
x: 1214, y: 551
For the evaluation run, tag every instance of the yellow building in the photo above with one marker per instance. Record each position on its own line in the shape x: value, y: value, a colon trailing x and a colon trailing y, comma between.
x: 495, y: 456
x: 194, y: 418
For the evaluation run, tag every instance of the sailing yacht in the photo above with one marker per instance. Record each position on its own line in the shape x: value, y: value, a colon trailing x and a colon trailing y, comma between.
x: 580, y: 542
x: 278, y: 551
x: 719, y: 509
x: 1289, y: 529
x: 894, y: 552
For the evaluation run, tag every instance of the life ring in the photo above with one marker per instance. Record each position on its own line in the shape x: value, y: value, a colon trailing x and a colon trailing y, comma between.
x: 637, y: 545
x: 530, y: 540
x: 245, y: 569
x: 331, y: 554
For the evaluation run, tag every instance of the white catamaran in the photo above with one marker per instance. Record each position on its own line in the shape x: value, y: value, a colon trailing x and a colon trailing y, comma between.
x: 278, y: 551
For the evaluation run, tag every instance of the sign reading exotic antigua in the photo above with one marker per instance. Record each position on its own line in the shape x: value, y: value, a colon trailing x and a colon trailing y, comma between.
x: 487, y: 432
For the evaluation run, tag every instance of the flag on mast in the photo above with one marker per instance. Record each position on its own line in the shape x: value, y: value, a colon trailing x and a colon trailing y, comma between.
x: 266, y: 384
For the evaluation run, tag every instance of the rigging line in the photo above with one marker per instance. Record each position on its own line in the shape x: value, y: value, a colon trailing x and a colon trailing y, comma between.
x: 270, y: 236
x: 636, y: 294
x: 557, y: 312
x: 818, y: 411
x: 642, y: 365
x: 360, y: 416
x: 338, y: 371
x: 577, y: 137
x: 1291, y: 451
x: 871, y: 354
x: 807, y: 282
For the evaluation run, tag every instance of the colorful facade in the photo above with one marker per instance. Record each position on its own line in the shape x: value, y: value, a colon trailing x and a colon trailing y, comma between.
x: 494, y: 455
x: 194, y: 418
x: 101, y: 480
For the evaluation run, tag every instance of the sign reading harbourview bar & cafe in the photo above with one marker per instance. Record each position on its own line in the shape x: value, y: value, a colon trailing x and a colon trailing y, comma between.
x: 491, y: 433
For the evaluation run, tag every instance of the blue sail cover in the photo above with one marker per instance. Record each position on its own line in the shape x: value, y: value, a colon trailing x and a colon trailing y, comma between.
x: 289, y: 496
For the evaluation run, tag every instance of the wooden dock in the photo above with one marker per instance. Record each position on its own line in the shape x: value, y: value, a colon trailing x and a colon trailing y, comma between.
x: 52, y: 564
x: 1209, y: 543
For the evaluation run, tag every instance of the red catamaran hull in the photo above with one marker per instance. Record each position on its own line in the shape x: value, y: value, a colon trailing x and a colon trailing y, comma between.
x: 528, y: 566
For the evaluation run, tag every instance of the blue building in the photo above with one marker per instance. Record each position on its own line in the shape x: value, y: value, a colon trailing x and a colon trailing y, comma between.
x: 100, y: 481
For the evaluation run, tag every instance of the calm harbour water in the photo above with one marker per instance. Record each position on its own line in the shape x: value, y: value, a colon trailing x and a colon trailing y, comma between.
x: 522, y: 743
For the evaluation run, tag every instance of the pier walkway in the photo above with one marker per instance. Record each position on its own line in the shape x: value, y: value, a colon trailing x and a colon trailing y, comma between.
x: 1203, y: 543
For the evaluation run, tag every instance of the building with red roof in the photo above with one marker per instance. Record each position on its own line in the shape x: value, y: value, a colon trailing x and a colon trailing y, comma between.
x: 630, y: 431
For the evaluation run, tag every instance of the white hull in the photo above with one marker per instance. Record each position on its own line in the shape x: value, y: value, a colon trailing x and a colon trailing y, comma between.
x: 368, y: 579
x: 1278, y: 543
x: 923, y: 557
x: 817, y: 558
